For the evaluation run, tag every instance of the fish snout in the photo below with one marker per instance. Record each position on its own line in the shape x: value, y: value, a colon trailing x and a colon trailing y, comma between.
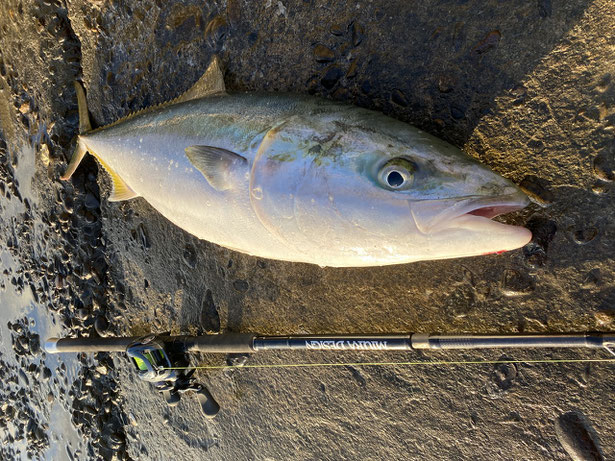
x: 431, y: 216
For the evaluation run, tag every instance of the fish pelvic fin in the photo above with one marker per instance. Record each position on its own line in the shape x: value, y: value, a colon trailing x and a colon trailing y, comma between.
x: 211, y: 83
x: 216, y: 164
x: 120, y: 190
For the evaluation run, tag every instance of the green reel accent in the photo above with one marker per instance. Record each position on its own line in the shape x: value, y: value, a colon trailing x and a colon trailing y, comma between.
x: 151, y: 360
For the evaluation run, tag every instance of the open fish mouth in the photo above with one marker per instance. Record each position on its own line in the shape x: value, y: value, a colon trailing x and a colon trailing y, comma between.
x: 490, y: 212
x: 434, y: 216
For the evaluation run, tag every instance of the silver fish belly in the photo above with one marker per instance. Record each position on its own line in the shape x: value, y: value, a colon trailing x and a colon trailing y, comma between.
x: 298, y: 178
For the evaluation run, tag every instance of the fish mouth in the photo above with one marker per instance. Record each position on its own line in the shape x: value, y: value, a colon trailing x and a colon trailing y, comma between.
x: 434, y: 216
x: 491, y: 212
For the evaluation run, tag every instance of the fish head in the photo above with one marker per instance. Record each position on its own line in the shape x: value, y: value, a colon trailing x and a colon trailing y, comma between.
x: 377, y: 192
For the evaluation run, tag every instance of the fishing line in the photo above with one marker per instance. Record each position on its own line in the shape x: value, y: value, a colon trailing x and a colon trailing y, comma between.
x: 154, y: 356
x: 371, y: 364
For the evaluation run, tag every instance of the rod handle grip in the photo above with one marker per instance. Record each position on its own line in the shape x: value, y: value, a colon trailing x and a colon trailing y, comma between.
x: 228, y: 343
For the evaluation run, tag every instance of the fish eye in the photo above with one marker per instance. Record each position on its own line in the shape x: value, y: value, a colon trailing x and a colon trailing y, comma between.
x: 397, y: 174
x: 395, y: 179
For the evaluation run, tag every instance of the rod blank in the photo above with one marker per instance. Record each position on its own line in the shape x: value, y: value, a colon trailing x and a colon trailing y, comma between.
x: 423, y: 341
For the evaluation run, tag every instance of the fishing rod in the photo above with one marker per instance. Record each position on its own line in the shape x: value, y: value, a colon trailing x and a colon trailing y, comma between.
x: 163, y: 361
x: 249, y: 343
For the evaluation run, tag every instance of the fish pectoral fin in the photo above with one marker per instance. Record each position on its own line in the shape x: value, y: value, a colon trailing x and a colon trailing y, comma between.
x: 216, y: 164
x: 211, y: 83
x: 120, y: 190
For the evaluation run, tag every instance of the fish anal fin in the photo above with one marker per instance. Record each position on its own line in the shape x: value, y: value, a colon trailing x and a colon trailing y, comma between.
x: 216, y: 164
x: 211, y: 83
x: 120, y: 190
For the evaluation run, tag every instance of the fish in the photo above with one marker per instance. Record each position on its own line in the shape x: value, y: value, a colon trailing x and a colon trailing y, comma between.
x: 299, y: 178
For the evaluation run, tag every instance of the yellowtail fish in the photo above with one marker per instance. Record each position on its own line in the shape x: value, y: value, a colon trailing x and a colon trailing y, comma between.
x: 299, y: 178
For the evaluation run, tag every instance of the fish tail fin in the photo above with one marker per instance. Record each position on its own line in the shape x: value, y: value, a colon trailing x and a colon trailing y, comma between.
x: 84, y: 127
x: 78, y: 155
x: 84, y: 117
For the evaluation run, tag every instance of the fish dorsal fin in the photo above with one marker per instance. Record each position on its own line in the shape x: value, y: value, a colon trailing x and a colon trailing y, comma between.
x: 216, y: 164
x: 121, y: 190
x: 211, y: 83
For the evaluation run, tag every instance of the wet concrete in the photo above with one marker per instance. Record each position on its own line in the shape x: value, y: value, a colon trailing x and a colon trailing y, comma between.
x: 525, y: 88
